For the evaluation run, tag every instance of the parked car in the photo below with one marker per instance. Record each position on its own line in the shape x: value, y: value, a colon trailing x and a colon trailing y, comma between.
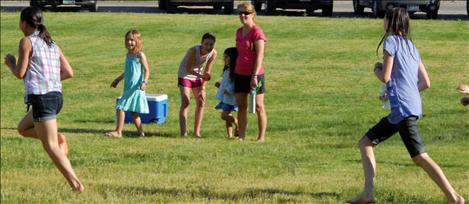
x: 380, y: 6
x: 310, y: 5
x: 171, y: 5
x: 92, y: 5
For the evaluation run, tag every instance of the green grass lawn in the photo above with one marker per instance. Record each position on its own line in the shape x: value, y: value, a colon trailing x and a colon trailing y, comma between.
x: 322, y: 97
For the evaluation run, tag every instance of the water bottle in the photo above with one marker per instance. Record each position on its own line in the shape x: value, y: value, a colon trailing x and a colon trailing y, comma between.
x: 386, y: 104
x: 252, y: 101
x: 252, y: 98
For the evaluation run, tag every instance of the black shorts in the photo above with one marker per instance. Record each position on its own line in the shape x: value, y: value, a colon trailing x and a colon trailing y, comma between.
x: 47, y: 106
x: 408, y: 130
x: 243, y: 83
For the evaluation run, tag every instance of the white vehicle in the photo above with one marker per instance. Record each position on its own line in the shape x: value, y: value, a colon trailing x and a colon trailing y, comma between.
x: 271, y: 6
x: 379, y: 7
x: 171, y: 5
x: 92, y: 5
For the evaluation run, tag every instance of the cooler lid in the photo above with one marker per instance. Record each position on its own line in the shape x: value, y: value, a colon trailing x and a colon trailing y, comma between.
x: 156, y: 97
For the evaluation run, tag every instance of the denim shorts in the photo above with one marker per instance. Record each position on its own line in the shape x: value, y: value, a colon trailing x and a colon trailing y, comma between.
x: 243, y: 83
x: 45, y: 107
x: 226, y: 107
x: 408, y: 130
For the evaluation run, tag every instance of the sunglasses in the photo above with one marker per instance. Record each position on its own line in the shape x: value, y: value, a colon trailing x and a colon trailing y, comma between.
x: 244, y: 13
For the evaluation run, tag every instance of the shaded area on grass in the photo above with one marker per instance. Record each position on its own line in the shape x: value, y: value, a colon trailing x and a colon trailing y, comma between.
x: 125, y: 134
x: 210, y: 194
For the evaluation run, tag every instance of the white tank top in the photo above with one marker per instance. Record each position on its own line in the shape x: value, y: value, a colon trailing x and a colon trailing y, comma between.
x: 198, y: 67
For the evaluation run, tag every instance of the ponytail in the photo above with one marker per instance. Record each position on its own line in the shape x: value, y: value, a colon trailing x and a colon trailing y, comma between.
x: 33, y: 17
x: 379, y: 45
x: 44, y: 34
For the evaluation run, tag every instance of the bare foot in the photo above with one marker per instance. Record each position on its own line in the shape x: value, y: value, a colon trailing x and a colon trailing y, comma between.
x: 62, y: 143
x: 460, y: 200
x: 113, y: 134
x: 141, y: 134
x: 260, y: 139
x: 197, y: 136
x: 79, y: 188
x: 463, y: 88
x: 362, y: 198
x: 184, y: 135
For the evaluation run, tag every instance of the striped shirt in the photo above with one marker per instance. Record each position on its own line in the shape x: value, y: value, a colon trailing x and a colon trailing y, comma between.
x: 43, y: 73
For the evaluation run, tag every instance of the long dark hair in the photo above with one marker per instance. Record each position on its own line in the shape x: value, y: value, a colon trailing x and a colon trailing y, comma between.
x: 208, y: 36
x: 397, y: 23
x: 232, y: 53
x: 33, y: 17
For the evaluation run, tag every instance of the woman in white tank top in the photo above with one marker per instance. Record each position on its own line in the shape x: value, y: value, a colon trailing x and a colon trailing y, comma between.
x: 194, y: 70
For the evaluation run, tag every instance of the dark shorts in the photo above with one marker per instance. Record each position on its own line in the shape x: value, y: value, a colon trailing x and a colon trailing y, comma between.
x: 243, y: 83
x: 47, y: 106
x: 189, y: 83
x: 226, y: 107
x: 408, y: 130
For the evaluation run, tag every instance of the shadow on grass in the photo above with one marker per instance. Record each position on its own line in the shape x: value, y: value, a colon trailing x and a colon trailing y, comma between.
x: 408, y: 163
x: 126, y: 134
x: 95, y: 121
x: 207, y: 193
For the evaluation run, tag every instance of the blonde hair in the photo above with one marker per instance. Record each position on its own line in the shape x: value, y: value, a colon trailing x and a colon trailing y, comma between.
x: 138, y: 40
x: 247, y: 6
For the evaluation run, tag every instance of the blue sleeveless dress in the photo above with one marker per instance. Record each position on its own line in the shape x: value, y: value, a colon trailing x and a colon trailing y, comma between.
x: 133, y: 99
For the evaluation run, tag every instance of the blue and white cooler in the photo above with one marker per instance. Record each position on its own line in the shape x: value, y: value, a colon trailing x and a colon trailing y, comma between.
x: 158, y: 106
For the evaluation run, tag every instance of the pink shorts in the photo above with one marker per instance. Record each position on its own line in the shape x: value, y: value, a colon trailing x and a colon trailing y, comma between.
x: 190, y: 83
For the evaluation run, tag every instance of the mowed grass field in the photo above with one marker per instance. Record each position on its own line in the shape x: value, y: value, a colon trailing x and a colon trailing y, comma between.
x: 322, y: 97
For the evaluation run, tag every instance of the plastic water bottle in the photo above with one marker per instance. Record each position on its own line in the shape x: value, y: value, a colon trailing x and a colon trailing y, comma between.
x: 252, y: 101
x: 386, y: 104
x: 252, y: 98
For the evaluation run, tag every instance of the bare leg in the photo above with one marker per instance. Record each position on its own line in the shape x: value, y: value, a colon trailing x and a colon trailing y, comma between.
x: 230, y: 121
x: 261, y: 117
x: 185, y: 99
x: 199, y: 109
x: 437, y: 175
x: 119, y: 125
x: 369, y: 168
x: 26, y: 129
x: 26, y: 126
x: 47, y: 132
x: 138, y: 124
x: 242, y: 101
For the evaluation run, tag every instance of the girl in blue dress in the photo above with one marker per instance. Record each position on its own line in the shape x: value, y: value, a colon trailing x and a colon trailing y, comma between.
x: 226, y: 93
x: 135, y: 80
